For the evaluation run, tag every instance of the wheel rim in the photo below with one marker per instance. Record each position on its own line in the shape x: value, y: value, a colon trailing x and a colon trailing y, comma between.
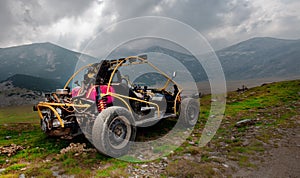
x: 192, y: 113
x: 119, y: 132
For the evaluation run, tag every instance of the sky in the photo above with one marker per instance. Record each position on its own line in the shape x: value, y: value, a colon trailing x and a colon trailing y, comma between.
x: 74, y: 23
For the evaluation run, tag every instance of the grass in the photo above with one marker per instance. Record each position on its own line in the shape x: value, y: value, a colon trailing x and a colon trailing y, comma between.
x: 164, y: 148
x: 186, y: 168
x: 15, y: 167
x: 20, y: 114
x: 272, y: 104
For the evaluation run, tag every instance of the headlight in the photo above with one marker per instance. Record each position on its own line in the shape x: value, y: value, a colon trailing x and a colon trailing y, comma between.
x: 58, y: 110
x: 55, y: 123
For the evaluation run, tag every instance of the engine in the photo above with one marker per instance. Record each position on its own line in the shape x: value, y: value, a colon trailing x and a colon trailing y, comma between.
x: 55, y: 116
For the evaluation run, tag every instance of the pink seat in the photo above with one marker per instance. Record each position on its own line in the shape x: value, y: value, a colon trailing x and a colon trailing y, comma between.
x: 91, y: 94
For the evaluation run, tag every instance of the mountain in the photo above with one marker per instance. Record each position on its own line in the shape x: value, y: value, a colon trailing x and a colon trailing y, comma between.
x: 44, y: 60
x: 187, y: 60
x: 252, y: 59
x: 261, y: 58
x: 34, y: 83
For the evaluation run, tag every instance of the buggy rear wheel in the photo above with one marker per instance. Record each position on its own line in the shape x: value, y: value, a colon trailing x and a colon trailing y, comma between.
x: 189, y: 112
x: 113, y: 131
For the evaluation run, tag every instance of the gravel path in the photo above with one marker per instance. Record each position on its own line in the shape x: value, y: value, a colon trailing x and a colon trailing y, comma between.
x: 283, y: 161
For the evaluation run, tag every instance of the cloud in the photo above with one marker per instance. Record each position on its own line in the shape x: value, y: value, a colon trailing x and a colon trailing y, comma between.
x: 271, y: 18
x: 73, y: 23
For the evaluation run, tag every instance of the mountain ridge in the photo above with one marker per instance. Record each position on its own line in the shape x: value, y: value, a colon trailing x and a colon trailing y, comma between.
x: 255, y: 58
x: 261, y: 57
x: 33, y: 83
x: 45, y: 60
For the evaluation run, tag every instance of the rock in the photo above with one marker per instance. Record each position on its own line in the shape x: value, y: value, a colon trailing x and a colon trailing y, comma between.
x: 214, y: 153
x: 10, y: 150
x: 225, y: 165
x: 164, y: 158
x: 192, y: 143
x: 244, y: 122
x: 140, y: 157
x: 246, y: 142
x: 216, y: 169
x: 7, y: 137
x: 208, y: 133
x: 144, y: 166
x: 223, y: 144
x: 22, y: 176
x: 76, y: 148
x: 216, y: 158
x: 46, y: 161
x: 188, y: 154
x: 2, y: 170
x: 55, y: 173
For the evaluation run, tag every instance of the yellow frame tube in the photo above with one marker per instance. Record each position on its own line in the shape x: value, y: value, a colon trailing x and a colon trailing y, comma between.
x: 72, y: 77
x: 66, y: 104
x: 175, y: 102
x: 118, y: 96
x: 49, y: 105
x: 154, y: 67
x: 54, y: 111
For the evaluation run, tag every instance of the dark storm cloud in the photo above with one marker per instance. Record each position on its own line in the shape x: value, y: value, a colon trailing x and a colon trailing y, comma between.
x: 202, y: 15
x: 130, y: 9
x: 24, y: 21
x: 6, y: 21
x: 45, y: 12
x: 73, y: 23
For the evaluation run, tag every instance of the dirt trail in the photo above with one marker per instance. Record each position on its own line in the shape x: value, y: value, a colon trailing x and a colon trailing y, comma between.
x: 283, y: 161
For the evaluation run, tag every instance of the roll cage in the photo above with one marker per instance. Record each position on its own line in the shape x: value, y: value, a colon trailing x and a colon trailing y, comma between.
x: 103, y: 74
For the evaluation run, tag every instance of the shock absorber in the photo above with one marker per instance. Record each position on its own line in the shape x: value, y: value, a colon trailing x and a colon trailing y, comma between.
x: 100, y: 101
x: 101, y: 105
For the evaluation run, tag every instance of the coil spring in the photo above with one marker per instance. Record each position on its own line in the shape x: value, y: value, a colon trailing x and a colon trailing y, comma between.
x: 101, y: 105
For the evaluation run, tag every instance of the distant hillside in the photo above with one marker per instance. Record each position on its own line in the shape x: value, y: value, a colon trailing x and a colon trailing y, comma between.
x: 187, y: 60
x: 150, y: 79
x: 43, y: 60
x: 252, y: 59
x: 34, y: 83
x: 261, y: 58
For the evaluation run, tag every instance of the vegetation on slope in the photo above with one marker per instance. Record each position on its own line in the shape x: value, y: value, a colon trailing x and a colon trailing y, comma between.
x: 264, y: 111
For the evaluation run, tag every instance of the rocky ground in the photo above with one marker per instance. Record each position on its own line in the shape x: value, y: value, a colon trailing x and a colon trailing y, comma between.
x: 14, y: 96
x: 259, y: 137
x: 266, y: 143
x: 280, y: 158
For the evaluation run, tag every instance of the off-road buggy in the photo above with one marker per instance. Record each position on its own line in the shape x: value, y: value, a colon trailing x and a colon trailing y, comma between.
x: 107, y: 107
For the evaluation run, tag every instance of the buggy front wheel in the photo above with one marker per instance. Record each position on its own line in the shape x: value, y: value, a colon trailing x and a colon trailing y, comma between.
x: 113, y: 131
